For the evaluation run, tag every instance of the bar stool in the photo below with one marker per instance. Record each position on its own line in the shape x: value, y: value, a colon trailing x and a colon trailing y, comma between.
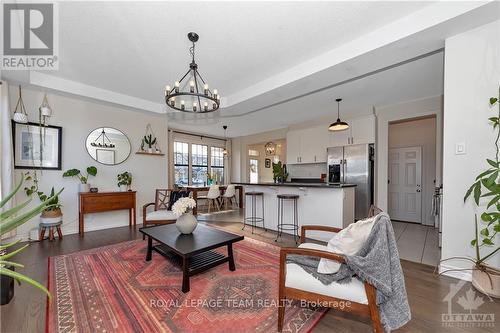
x: 254, y: 219
x: 288, y: 226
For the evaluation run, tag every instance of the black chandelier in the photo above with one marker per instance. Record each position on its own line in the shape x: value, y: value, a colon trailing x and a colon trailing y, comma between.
x: 192, y: 94
x: 106, y: 142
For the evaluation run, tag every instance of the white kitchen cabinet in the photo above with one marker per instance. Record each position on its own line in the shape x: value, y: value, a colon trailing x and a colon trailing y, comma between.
x: 307, y: 145
x: 361, y: 130
x: 293, y: 147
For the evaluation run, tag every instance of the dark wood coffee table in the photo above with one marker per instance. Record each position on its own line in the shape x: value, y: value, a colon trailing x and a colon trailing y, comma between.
x: 192, y: 252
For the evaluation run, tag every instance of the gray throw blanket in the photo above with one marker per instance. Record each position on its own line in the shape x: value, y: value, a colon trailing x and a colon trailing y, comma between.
x: 376, y: 263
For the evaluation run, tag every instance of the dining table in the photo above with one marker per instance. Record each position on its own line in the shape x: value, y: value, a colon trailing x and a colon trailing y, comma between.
x: 195, y: 189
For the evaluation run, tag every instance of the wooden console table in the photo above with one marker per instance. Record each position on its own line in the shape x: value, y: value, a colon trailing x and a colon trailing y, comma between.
x: 104, y: 202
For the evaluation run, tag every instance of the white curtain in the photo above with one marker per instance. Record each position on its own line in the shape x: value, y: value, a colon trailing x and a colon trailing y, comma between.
x: 6, y: 147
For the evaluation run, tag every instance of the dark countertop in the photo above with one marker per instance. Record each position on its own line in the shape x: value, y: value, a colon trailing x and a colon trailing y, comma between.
x: 319, y: 185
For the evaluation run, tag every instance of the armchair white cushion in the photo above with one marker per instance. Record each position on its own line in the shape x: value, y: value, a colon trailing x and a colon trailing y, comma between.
x: 298, y: 278
x: 161, y: 215
x: 348, y: 241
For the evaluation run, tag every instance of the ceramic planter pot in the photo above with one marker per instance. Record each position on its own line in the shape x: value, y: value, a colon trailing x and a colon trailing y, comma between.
x: 19, y: 117
x: 186, y: 223
x: 84, y: 187
x: 482, y: 282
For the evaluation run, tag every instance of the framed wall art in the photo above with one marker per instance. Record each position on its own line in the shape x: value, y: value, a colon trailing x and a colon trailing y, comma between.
x: 37, y: 147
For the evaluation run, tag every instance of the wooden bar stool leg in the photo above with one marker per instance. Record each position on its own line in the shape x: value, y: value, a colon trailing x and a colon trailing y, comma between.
x: 51, y: 233
x: 42, y: 233
x: 59, y: 232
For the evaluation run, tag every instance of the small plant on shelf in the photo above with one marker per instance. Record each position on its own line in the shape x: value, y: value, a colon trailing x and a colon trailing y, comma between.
x: 150, y: 140
x: 124, y: 180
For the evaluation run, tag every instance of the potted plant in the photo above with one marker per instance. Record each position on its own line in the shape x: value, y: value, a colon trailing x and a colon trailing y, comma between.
x: 52, y: 213
x: 124, y: 181
x: 9, y: 220
x: 150, y: 141
x: 210, y: 179
x: 83, y: 186
x: 486, y: 189
x: 279, y: 172
x: 183, y: 208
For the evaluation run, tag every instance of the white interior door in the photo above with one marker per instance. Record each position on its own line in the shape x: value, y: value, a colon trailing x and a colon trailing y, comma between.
x: 405, y: 184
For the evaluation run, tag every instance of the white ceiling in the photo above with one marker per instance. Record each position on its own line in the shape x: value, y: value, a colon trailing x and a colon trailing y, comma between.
x: 138, y: 48
x: 256, y: 54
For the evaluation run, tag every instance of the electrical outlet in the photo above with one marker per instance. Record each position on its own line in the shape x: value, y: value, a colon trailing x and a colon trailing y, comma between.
x: 460, y: 148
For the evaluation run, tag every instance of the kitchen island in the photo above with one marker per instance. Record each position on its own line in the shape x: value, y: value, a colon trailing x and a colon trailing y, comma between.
x: 319, y: 204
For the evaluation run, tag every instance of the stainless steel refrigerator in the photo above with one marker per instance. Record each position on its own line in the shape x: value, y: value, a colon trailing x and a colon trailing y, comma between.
x: 354, y: 164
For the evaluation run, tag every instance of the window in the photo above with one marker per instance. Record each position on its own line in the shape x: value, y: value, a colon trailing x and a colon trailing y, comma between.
x: 193, y: 160
x: 199, y: 161
x: 181, y: 163
x: 217, y: 164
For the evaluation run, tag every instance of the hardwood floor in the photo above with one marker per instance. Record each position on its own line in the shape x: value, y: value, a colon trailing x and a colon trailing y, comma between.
x: 26, y: 312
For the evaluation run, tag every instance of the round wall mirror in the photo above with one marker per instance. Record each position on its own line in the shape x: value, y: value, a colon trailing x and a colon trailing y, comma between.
x: 108, y: 145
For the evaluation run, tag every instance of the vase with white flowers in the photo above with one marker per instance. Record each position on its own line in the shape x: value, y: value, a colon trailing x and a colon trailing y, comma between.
x: 183, y: 209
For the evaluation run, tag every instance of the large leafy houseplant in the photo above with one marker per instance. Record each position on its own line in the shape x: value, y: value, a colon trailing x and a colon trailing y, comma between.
x: 486, y: 189
x: 91, y: 171
x: 11, y: 219
x: 54, y: 206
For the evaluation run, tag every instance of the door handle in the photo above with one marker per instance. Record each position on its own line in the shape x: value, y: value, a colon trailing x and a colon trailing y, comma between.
x: 418, y: 190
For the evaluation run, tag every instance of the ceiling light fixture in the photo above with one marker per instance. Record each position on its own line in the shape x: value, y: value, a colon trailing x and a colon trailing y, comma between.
x: 196, y: 96
x: 225, y: 152
x: 338, y: 125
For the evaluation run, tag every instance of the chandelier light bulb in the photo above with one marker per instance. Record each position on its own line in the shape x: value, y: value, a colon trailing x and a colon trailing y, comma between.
x: 191, y: 86
x: 167, y: 90
x: 195, y: 106
x: 205, y: 106
x: 183, y: 105
x: 176, y: 85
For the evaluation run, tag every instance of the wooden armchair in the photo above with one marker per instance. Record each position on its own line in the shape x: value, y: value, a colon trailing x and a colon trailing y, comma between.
x: 161, y: 213
x: 295, y: 283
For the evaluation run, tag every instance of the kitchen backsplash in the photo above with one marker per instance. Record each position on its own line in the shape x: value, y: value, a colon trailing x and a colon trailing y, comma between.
x: 313, y: 170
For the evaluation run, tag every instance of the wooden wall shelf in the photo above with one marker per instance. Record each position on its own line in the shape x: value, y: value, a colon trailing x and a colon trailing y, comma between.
x: 146, y: 153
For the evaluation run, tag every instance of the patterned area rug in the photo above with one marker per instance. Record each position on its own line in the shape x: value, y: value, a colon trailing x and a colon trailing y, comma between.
x: 113, y: 289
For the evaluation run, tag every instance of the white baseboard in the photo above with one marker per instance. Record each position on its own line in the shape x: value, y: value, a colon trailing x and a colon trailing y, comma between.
x: 461, y: 275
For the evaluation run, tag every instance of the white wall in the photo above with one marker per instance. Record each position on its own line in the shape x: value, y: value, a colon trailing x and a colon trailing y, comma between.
x: 239, y: 151
x: 78, y: 118
x: 313, y: 170
x: 266, y: 174
x: 408, y: 110
x: 421, y: 133
x: 472, y: 76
